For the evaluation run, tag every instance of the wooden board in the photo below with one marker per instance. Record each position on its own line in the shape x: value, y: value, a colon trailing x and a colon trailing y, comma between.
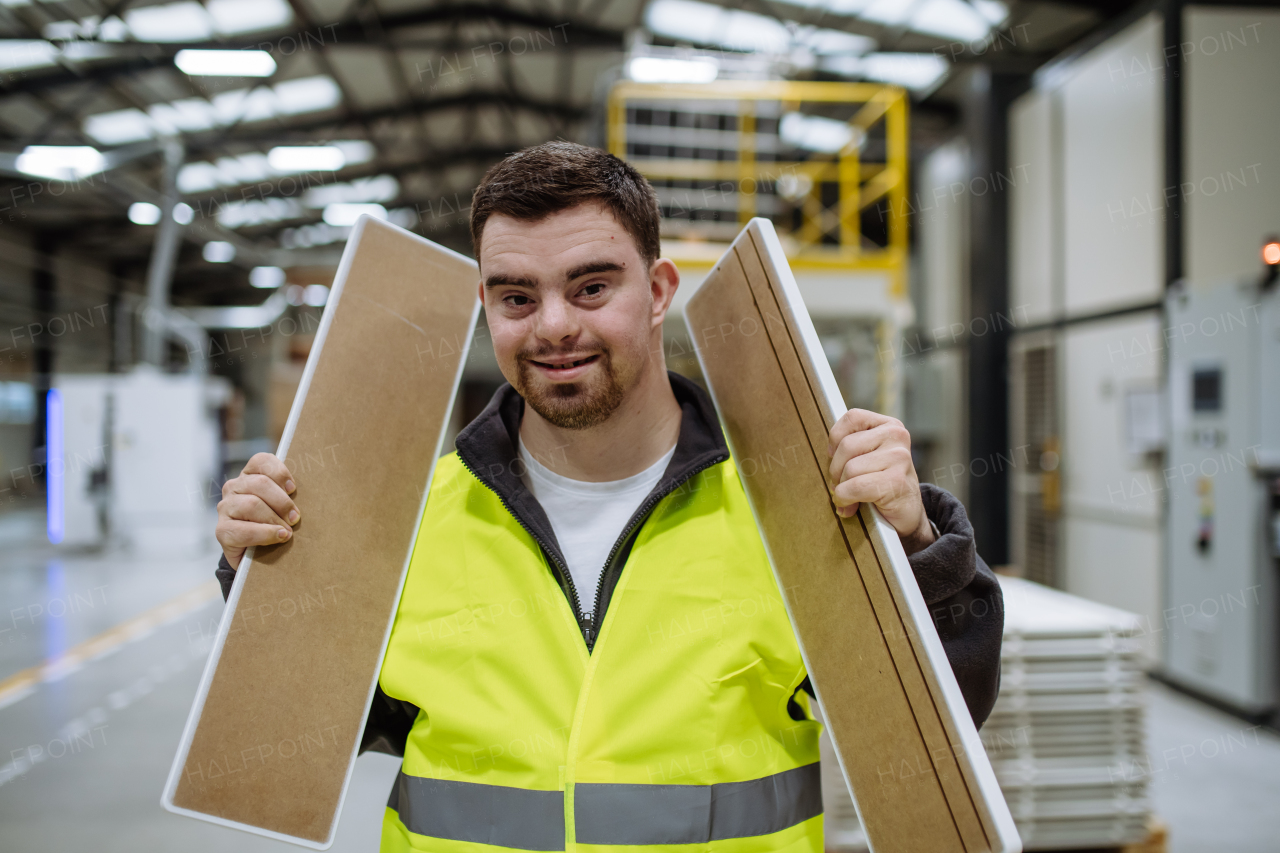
x: 270, y: 743
x: 908, y: 748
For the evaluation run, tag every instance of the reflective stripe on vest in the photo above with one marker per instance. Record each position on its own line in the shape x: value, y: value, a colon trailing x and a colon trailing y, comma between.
x: 607, y: 814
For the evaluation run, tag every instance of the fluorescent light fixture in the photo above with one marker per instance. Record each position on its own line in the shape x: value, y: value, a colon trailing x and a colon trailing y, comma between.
x: 239, y: 106
x: 374, y: 189
x: 172, y: 22
x: 355, y: 150
x: 653, y: 69
x: 19, y: 55
x: 144, y: 213
x: 919, y: 72
x: 248, y: 16
x: 295, y: 294
x: 817, y: 133
x: 239, y: 214
x: 306, y: 158
x: 307, y: 95
x: 267, y: 278
x: 347, y: 214
x: 704, y: 23
x: 55, y: 466
x: 225, y: 63
x: 183, y: 213
x: 119, y: 127
x: 63, y: 162
x: 219, y: 252
x: 89, y: 27
x: 315, y: 295
x: 949, y: 19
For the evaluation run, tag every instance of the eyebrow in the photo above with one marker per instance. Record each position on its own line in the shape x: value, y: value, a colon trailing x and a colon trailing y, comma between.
x: 500, y: 280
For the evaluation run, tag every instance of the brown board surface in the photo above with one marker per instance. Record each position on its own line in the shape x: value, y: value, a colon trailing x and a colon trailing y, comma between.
x: 907, y: 745
x: 274, y: 731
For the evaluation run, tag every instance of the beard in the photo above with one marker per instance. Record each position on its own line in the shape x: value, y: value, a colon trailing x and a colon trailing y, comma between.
x: 572, y: 405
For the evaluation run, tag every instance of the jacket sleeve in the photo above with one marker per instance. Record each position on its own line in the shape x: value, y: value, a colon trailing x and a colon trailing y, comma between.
x: 964, y: 599
x: 387, y: 727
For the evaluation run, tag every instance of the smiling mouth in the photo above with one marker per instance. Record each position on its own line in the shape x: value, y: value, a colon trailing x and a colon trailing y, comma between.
x: 565, y: 365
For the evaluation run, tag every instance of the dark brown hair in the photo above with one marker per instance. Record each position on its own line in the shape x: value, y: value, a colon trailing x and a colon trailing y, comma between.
x: 555, y: 176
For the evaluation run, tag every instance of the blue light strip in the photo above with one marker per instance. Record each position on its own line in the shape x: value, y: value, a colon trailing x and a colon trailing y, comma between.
x: 54, y: 466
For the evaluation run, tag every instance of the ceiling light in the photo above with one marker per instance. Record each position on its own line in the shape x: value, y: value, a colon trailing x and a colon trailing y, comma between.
x: 219, y: 252
x: 238, y: 106
x: 63, y: 162
x: 704, y: 23
x: 294, y: 294
x: 816, y: 133
x: 172, y: 22
x: 363, y: 190
x: 225, y: 63
x: 919, y: 72
x: 949, y: 19
x: 347, y: 214
x: 19, y: 55
x: 248, y: 16
x: 355, y: 150
x: 266, y: 277
x: 238, y: 214
x: 183, y: 213
x: 307, y: 95
x: 119, y: 127
x: 653, y: 69
x: 315, y: 295
x: 144, y: 213
x: 306, y: 158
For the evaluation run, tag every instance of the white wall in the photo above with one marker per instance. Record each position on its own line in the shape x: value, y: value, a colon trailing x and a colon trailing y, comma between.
x: 1231, y: 165
x: 1032, y: 244
x: 1113, y: 170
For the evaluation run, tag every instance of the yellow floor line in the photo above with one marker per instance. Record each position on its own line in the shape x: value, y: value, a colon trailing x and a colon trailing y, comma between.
x: 23, y: 683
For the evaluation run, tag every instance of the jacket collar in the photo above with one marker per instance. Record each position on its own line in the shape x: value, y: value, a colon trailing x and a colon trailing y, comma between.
x: 487, y: 446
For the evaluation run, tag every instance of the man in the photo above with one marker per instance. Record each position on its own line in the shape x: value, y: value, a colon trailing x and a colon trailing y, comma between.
x: 590, y: 648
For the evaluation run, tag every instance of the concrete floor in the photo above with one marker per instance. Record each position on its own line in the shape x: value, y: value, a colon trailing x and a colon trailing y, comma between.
x: 84, y: 753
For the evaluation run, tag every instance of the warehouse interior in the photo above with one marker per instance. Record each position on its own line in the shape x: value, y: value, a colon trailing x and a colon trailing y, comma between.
x: 1044, y: 235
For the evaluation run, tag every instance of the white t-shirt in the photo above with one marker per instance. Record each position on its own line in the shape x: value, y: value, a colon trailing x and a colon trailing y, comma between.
x: 588, y: 518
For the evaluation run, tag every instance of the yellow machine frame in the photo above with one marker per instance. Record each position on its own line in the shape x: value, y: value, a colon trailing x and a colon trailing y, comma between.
x: 860, y: 184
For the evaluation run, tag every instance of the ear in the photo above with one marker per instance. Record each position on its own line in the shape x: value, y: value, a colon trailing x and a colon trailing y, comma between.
x: 664, y: 278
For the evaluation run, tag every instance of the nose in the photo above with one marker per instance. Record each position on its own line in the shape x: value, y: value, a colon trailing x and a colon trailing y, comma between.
x: 556, y: 321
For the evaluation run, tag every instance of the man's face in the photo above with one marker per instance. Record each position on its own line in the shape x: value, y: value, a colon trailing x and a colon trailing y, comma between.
x: 571, y: 309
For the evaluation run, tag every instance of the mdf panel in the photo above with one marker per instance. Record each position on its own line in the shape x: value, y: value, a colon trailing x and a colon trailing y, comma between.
x: 272, y: 738
x: 907, y: 746
x: 1113, y: 162
x: 1231, y: 160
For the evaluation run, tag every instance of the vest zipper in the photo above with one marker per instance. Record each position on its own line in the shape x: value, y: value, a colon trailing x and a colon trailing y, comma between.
x: 610, y: 567
x: 561, y: 571
x: 590, y: 627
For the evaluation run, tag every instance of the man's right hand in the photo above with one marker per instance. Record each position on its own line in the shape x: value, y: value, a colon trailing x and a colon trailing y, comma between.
x: 255, y: 508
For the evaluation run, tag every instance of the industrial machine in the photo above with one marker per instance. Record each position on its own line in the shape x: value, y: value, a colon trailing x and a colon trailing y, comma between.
x: 1222, y: 480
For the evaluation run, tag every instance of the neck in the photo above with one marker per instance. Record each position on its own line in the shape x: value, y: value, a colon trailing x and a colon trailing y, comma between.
x: 634, y: 437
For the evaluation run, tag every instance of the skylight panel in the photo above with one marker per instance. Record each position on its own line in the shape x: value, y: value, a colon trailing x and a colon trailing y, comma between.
x: 231, y: 17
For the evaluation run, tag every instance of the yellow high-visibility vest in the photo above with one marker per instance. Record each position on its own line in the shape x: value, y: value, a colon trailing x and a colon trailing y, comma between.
x: 673, y: 731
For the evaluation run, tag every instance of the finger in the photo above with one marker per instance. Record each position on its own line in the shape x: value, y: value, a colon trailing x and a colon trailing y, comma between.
x: 246, y: 534
x: 879, y: 488
x: 852, y: 446
x: 268, y: 491
x: 866, y: 463
x: 249, y: 508
x: 854, y: 420
x: 270, y: 465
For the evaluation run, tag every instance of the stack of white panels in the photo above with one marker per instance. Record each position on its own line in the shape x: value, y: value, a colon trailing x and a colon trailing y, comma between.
x: 1067, y: 735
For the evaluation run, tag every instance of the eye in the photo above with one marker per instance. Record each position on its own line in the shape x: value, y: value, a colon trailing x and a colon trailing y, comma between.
x: 518, y: 300
x: 593, y: 289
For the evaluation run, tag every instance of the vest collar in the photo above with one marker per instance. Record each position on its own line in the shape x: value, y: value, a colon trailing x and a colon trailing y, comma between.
x: 488, y: 445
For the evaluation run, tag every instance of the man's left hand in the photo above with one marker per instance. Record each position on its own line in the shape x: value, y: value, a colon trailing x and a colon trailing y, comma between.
x: 871, y: 463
